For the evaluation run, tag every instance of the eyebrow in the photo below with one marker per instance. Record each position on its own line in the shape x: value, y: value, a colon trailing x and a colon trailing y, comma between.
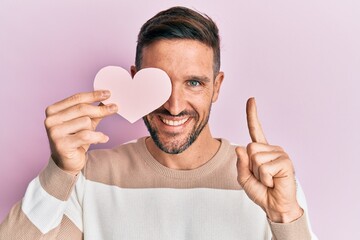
x: 198, y: 78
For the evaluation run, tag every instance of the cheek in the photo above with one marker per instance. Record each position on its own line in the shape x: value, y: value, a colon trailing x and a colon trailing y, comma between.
x: 202, y: 105
x: 200, y: 100
x: 201, y: 94
x: 150, y: 119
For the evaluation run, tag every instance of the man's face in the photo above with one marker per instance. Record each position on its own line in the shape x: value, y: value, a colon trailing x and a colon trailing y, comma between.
x: 182, y: 119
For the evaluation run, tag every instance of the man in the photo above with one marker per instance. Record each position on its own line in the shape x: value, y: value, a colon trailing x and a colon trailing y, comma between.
x: 179, y: 183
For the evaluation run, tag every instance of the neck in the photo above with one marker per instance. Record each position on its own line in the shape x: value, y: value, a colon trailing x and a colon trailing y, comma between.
x: 201, y: 151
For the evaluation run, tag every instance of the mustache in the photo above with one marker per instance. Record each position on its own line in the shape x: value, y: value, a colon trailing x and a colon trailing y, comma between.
x: 163, y: 111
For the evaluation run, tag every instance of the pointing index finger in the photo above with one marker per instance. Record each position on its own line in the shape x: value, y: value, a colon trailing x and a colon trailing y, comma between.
x: 255, y: 130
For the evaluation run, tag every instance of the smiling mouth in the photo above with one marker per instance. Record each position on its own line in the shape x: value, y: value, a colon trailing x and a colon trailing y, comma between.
x: 174, y: 123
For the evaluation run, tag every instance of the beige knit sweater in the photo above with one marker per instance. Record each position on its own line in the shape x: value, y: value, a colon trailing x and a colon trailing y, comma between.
x: 124, y: 193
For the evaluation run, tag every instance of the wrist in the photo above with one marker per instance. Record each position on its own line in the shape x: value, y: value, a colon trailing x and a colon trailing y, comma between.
x: 61, y: 166
x: 285, y: 217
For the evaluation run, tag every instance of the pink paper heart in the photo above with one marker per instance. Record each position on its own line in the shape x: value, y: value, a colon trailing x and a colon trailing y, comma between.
x: 150, y: 88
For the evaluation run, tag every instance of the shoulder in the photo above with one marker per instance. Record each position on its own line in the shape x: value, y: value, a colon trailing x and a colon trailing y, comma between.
x: 114, y: 154
x: 104, y: 163
x: 230, y: 146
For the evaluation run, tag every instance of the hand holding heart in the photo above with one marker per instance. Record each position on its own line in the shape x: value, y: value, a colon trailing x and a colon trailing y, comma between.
x: 266, y: 173
x: 70, y: 125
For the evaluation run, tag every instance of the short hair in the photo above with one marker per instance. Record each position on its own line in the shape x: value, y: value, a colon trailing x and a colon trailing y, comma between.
x: 180, y: 23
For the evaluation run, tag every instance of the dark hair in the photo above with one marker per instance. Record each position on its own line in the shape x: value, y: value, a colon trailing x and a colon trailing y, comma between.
x: 179, y: 23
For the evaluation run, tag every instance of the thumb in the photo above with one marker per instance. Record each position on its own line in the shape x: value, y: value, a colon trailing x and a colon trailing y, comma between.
x: 95, y: 121
x: 243, y: 166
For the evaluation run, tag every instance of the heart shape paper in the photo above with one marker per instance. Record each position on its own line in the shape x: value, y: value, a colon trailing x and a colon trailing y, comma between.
x: 150, y: 88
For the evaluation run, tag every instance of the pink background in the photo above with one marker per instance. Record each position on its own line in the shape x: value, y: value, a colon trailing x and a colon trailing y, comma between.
x: 301, y: 59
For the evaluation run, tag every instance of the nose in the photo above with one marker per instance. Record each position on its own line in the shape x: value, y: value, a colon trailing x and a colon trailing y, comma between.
x: 176, y: 102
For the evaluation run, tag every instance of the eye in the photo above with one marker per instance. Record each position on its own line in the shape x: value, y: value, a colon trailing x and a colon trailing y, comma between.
x: 194, y: 83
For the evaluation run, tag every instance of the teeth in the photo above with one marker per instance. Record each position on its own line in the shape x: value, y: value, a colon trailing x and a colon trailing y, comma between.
x: 174, y: 123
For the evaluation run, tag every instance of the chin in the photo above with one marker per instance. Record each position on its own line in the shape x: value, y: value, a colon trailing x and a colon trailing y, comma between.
x: 173, y: 145
x: 174, y: 140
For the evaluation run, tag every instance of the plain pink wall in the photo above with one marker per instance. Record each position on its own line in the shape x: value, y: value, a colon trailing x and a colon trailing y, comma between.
x: 300, y: 59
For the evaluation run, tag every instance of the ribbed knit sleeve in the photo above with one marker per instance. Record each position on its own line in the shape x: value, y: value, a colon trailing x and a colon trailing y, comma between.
x: 296, y: 230
x: 41, y: 213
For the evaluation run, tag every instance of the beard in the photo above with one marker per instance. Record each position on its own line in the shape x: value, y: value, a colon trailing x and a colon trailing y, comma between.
x: 176, y: 146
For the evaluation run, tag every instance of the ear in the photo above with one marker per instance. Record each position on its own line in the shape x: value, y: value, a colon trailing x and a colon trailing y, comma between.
x: 217, y: 84
x: 133, y: 71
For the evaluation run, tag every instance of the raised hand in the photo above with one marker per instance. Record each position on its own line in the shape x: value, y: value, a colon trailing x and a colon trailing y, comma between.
x: 266, y: 173
x: 71, y: 124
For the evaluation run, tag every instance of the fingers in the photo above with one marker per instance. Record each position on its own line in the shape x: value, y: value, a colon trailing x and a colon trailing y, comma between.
x: 89, y: 97
x: 265, y: 172
x: 263, y: 162
x: 243, y: 166
x: 253, y: 148
x: 252, y: 186
x: 71, y: 124
x: 260, y: 161
x: 67, y: 133
x: 278, y: 168
x: 70, y: 143
x: 78, y: 111
x: 87, y: 137
x: 71, y: 127
x: 255, y: 130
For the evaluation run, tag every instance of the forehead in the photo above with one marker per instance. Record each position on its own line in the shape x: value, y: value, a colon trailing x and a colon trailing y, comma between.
x: 179, y: 55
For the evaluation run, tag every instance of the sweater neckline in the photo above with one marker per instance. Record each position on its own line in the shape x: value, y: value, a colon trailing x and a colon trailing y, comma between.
x: 201, y: 171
